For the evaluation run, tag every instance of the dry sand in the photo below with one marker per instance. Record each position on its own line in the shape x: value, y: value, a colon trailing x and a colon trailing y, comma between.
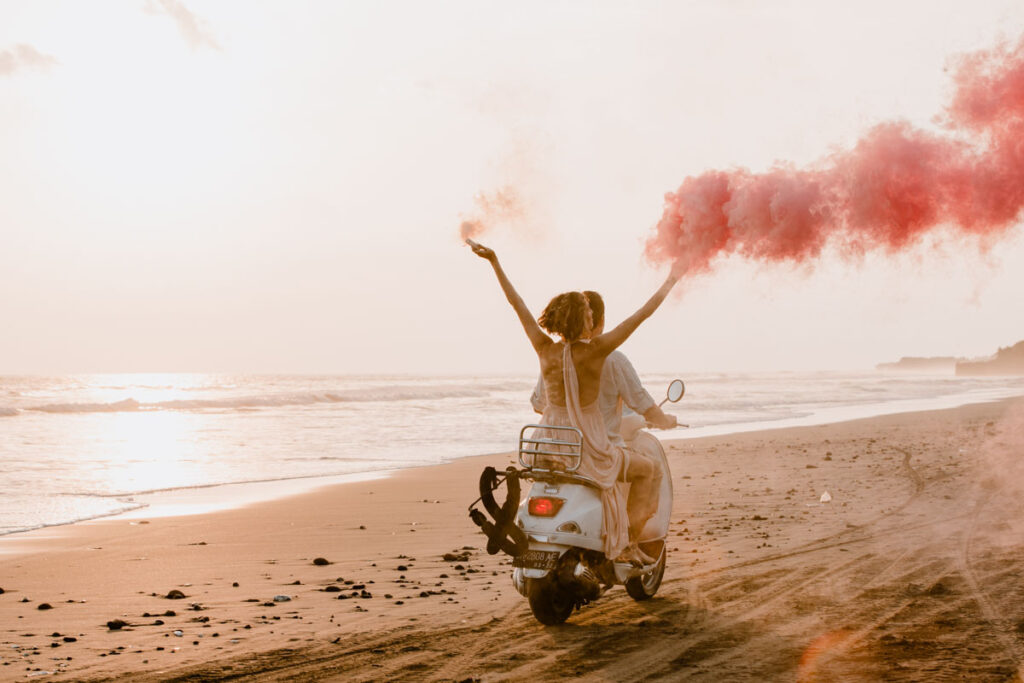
x: 911, y: 572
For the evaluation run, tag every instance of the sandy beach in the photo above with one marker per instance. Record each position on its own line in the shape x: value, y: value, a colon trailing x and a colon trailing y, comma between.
x: 911, y: 572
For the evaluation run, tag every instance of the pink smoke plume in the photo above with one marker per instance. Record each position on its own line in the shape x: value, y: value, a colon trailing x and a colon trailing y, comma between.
x: 896, y: 184
x: 23, y: 56
x: 499, y: 206
x: 191, y: 27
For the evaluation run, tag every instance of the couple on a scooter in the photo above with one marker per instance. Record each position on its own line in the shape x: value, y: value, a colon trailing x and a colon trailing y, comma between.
x: 571, y: 372
x: 622, y: 391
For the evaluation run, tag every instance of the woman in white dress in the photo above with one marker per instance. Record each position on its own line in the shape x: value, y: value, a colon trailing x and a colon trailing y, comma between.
x: 571, y: 369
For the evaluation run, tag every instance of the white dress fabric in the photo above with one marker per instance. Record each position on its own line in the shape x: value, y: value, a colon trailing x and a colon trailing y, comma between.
x: 602, y: 461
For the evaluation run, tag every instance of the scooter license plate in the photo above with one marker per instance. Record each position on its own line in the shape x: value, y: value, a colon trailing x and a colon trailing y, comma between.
x: 537, y: 559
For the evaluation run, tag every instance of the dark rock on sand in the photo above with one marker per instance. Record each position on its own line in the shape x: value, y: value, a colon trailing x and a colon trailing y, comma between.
x: 332, y: 589
x: 175, y: 594
x: 116, y: 624
x: 321, y: 561
x: 45, y: 605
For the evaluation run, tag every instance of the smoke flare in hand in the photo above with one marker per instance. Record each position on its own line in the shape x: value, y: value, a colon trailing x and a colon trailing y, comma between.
x: 896, y: 184
x: 501, y: 205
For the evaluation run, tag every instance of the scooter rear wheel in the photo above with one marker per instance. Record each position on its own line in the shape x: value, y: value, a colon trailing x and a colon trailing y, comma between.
x: 550, y: 604
x: 645, y: 586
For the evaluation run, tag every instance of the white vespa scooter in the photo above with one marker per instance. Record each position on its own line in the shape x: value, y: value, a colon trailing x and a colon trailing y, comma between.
x: 556, y: 535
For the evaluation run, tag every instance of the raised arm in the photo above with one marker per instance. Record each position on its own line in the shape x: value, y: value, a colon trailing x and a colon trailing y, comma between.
x: 537, y: 336
x: 609, y: 341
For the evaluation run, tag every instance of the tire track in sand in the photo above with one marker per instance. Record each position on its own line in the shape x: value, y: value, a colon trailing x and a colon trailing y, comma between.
x: 694, y: 628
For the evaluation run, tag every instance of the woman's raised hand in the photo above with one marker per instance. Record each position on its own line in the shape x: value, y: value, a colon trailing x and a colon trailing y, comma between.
x: 482, y: 251
x: 678, y: 270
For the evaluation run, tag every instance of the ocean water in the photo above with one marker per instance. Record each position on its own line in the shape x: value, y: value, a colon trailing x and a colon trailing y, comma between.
x: 86, y: 446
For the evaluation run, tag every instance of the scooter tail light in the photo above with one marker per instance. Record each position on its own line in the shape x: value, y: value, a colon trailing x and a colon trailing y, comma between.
x: 545, y: 506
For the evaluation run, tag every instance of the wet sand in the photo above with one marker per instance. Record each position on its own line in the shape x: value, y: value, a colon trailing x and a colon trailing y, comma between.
x: 911, y: 572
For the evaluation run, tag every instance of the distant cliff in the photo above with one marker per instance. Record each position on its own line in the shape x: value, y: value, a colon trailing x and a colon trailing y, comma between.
x: 1008, y: 361
x: 937, y: 364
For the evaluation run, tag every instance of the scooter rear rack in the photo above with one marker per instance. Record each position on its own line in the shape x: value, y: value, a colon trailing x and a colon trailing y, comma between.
x: 572, y: 450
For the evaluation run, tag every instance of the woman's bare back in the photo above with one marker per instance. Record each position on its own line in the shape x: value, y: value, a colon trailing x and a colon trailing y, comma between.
x: 588, y: 366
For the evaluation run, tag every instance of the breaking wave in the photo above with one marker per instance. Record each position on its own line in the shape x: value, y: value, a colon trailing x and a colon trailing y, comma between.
x: 366, y: 395
x: 127, y: 405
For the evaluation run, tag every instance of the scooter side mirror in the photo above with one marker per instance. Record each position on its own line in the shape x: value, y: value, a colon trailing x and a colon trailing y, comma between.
x: 675, y: 390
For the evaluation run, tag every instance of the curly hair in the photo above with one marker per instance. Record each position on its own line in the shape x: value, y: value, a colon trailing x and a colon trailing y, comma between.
x: 565, y: 315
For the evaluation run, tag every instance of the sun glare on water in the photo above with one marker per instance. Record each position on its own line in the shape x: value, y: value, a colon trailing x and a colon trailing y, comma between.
x: 149, y: 451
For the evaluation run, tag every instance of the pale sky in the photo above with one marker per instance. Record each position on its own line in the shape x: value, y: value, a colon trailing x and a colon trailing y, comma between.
x: 192, y: 185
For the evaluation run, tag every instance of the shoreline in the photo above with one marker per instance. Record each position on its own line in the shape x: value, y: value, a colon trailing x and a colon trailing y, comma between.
x: 759, y: 571
x: 208, y: 498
